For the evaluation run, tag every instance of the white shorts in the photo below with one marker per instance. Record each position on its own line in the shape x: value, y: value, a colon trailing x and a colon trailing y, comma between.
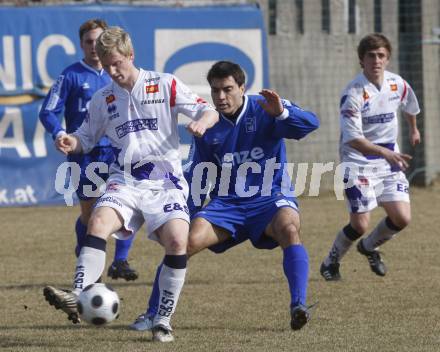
x: 136, y: 206
x: 365, y: 193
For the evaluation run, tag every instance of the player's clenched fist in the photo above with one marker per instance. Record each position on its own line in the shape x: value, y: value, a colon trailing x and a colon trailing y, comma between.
x: 196, y: 128
x: 67, y: 144
x: 199, y: 127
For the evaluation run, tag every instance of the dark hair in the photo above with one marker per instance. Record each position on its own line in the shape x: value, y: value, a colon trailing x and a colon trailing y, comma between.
x: 90, y: 25
x: 372, y: 42
x: 224, y: 69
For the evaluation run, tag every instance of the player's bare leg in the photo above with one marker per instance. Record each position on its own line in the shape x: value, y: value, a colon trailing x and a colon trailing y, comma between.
x: 203, y: 234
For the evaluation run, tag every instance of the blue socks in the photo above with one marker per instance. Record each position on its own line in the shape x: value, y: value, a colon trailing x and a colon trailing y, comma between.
x: 122, y: 248
x: 296, y: 269
x: 153, y: 302
x: 81, y: 233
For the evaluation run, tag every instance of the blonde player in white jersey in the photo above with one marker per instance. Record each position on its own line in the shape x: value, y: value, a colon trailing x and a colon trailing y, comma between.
x: 374, y: 165
x: 138, y: 113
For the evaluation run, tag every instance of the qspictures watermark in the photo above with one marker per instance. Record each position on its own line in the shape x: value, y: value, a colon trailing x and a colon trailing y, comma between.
x: 206, y: 174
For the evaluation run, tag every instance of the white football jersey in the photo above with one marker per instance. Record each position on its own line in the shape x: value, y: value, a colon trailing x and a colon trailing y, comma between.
x: 366, y: 112
x: 142, y: 127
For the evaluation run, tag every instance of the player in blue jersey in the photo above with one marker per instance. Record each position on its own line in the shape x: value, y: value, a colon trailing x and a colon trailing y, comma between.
x: 245, y: 155
x: 72, y: 93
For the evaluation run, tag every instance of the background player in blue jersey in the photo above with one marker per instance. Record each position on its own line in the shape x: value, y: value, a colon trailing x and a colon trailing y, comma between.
x: 253, y: 203
x: 72, y: 93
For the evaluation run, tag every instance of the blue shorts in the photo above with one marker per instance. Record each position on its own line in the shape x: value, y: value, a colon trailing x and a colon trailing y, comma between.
x: 102, y: 154
x: 245, y: 220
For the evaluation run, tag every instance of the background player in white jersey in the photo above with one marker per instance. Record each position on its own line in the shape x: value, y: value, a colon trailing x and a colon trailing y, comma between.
x: 374, y: 174
x: 250, y: 133
x: 72, y: 93
x: 138, y: 112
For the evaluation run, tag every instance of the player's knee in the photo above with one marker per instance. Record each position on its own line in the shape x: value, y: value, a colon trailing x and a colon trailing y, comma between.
x: 288, y: 235
x: 399, y: 221
x: 175, y: 245
x: 195, y: 244
x: 96, y: 224
x: 360, y: 227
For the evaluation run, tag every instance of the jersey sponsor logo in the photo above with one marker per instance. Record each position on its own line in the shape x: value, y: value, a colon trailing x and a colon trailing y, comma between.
x: 366, y: 107
x: 152, y: 101
x: 109, y: 200
x: 250, y: 124
x: 365, y: 95
x: 110, y: 99
x: 111, y: 109
x: 152, y: 79
x: 85, y: 86
x: 152, y: 89
x: 135, y: 126
x: 402, y: 188
x: 243, y: 156
x: 394, y: 97
x: 393, y: 87
x: 382, y: 118
x: 167, y: 208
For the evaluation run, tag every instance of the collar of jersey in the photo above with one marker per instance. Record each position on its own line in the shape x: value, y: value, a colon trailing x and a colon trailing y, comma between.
x: 140, y: 77
x: 90, y: 68
x: 239, y: 116
x: 385, y: 76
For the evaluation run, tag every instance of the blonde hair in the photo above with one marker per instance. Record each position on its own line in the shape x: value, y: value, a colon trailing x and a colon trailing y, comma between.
x: 114, y: 38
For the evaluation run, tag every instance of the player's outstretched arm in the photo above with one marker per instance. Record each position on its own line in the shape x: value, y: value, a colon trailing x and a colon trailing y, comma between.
x: 68, y: 144
x: 198, y: 128
x: 292, y: 121
x: 364, y: 146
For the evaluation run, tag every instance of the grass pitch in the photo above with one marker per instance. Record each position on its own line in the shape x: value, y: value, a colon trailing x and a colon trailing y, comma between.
x: 237, y: 301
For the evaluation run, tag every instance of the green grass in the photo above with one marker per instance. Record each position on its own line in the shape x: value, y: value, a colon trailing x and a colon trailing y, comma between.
x: 237, y: 301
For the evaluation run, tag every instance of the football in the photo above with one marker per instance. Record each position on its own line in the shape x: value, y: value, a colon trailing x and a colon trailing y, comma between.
x: 98, y: 304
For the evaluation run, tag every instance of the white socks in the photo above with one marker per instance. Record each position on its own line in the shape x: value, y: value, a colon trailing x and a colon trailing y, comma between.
x: 381, y: 234
x: 341, y: 245
x: 89, y: 267
x: 170, y: 284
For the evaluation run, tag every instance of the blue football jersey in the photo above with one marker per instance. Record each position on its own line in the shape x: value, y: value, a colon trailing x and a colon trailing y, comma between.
x: 72, y: 93
x: 246, y: 156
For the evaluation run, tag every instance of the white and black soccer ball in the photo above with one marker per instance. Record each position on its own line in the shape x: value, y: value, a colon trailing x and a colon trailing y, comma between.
x: 98, y: 304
